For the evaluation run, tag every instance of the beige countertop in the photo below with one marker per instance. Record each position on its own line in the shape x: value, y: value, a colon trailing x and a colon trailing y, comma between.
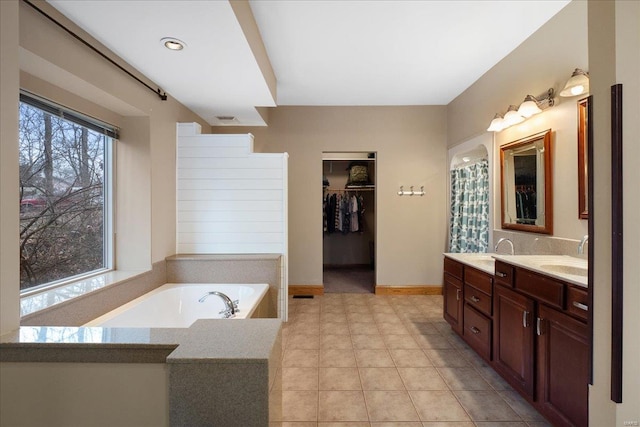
x: 563, y: 267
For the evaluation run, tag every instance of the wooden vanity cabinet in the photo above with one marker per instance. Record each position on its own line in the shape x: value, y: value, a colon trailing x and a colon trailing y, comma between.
x: 562, y: 367
x: 513, y: 338
x: 477, y: 321
x: 452, y: 293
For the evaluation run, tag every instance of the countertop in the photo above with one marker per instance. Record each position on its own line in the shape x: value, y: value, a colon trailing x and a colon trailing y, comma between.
x: 206, y: 341
x: 563, y: 267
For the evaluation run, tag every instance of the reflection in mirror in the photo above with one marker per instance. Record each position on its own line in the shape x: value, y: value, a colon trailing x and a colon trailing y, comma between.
x: 583, y: 171
x: 525, y: 167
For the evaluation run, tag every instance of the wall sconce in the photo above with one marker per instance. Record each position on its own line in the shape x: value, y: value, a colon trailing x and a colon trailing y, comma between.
x: 577, y: 84
x: 514, y: 115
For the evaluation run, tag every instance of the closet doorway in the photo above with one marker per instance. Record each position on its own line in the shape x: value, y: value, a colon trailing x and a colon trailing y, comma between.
x: 349, y: 222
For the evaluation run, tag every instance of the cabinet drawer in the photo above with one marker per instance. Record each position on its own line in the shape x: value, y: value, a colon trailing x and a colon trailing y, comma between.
x: 540, y: 287
x: 478, y: 299
x: 578, y: 302
x: 477, y: 331
x: 478, y: 279
x: 504, y: 274
x: 452, y: 267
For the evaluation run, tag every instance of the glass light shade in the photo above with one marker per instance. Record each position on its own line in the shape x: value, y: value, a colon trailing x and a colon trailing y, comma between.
x: 496, y: 124
x: 529, y: 107
x: 577, y: 84
x: 512, y: 117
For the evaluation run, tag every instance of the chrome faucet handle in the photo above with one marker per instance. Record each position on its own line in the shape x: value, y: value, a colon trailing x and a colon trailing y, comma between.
x: 227, y: 314
x: 235, y: 304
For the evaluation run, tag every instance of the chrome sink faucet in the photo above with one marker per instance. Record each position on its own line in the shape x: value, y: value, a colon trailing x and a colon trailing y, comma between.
x: 504, y: 239
x: 584, y: 240
x: 232, y: 306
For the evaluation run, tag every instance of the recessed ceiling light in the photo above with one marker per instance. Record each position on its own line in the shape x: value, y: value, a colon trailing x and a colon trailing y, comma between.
x: 173, y: 43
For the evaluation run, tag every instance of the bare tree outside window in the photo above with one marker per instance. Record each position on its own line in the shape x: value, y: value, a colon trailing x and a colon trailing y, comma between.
x: 62, y: 204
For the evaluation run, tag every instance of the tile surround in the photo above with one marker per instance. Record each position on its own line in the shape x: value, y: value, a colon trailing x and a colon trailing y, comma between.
x: 402, y: 368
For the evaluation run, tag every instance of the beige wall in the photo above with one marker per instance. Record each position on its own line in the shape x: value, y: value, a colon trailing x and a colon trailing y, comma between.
x: 614, y: 57
x: 43, y: 59
x: 411, y: 150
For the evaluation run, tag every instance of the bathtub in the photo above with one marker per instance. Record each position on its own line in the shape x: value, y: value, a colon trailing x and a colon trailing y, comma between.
x: 175, y: 305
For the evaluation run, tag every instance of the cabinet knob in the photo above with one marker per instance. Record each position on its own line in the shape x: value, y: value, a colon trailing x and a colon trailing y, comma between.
x: 475, y: 298
x: 501, y: 274
x: 475, y: 330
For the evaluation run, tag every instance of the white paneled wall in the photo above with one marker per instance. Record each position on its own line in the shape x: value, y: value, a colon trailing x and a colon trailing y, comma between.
x: 230, y: 200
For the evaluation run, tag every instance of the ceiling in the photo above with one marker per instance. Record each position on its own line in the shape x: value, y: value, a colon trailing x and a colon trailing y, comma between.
x: 322, y: 52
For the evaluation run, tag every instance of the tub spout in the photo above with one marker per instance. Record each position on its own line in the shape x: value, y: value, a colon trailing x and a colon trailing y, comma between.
x: 232, y: 306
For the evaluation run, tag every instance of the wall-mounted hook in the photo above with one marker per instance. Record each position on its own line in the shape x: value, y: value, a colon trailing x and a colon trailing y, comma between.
x: 401, y: 192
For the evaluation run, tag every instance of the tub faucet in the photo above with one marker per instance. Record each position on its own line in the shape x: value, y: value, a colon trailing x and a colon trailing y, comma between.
x: 584, y: 240
x: 232, y: 306
x: 504, y: 239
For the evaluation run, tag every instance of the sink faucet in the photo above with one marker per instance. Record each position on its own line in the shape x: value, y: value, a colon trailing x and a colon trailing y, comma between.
x: 584, y: 240
x: 232, y: 306
x: 504, y: 239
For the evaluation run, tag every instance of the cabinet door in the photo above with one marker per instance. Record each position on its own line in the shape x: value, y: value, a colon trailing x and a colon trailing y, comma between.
x: 563, y: 367
x: 453, y: 302
x: 513, y: 338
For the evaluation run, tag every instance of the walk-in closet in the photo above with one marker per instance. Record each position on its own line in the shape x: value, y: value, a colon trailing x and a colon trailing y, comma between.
x: 349, y: 222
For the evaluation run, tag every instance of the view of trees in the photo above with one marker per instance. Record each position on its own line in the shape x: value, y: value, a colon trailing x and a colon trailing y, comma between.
x: 61, y: 198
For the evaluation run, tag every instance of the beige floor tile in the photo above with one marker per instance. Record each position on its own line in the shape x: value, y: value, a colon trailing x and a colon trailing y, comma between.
x: 360, y: 328
x: 404, y: 342
x: 449, y: 424
x: 341, y: 406
x: 337, y: 308
x: 382, y: 317
x: 433, y: 341
x: 422, y: 379
x: 438, y: 405
x: 335, y: 342
x: 333, y: 318
x: 360, y: 318
x: 339, y: 379
x: 307, y: 317
x: 299, y: 405
x: 421, y: 327
x: 373, y: 359
x: 345, y: 424
x: 521, y: 406
x: 296, y: 358
x: 493, y: 378
x: 397, y: 424
x: 463, y: 379
x: 367, y: 341
x: 409, y: 358
x: 337, y: 358
x: 380, y: 379
x: 358, y: 309
x: 486, y: 406
x: 315, y: 308
x: 334, y: 328
x: 295, y: 424
x: 303, y: 342
x: 392, y: 328
x: 390, y: 406
x: 443, y: 358
x: 299, y: 379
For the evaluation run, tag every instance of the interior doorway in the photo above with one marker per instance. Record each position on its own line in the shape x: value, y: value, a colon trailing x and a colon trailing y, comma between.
x: 349, y: 222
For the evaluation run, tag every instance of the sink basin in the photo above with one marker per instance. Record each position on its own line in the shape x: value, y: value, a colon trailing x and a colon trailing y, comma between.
x: 565, y: 269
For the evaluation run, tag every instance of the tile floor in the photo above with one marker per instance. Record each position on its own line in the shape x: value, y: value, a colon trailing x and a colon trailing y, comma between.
x: 356, y: 360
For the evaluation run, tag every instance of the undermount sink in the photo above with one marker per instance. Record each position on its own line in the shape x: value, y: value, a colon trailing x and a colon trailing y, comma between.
x: 565, y: 269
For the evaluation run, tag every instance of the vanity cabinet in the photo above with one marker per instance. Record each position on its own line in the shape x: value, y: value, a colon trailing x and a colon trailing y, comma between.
x: 452, y: 293
x: 541, y: 344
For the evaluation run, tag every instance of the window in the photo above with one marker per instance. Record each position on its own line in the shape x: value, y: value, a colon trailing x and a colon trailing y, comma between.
x: 65, y: 194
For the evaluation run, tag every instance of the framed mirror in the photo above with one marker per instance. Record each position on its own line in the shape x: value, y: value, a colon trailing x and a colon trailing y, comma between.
x: 526, y: 184
x: 583, y: 159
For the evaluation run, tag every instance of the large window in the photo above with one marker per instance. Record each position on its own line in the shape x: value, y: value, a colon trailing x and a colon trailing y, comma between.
x: 65, y: 201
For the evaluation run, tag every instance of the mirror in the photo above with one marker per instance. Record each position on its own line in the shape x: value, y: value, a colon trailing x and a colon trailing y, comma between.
x: 583, y: 171
x: 525, y: 177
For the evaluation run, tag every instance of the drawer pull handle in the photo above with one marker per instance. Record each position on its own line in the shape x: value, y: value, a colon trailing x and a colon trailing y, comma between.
x: 538, y: 326
x: 501, y: 274
x: 457, y: 294
x: 581, y: 306
x: 525, y: 323
x: 475, y: 330
x: 475, y: 298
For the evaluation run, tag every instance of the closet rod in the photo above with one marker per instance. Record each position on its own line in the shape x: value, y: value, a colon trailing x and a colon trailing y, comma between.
x: 345, y: 190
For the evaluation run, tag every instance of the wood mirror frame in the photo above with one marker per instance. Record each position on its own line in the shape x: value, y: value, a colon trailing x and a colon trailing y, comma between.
x: 526, y: 186
x: 584, y: 109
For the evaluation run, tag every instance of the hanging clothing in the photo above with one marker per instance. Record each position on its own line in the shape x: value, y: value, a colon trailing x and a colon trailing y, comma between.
x: 353, y: 209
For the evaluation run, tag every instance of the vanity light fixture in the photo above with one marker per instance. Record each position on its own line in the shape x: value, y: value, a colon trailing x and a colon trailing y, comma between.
x: 577, y: 84
x: 496, y: 124
x: 512, y: 117
x: 172, y: 43
x: 530, y: 106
